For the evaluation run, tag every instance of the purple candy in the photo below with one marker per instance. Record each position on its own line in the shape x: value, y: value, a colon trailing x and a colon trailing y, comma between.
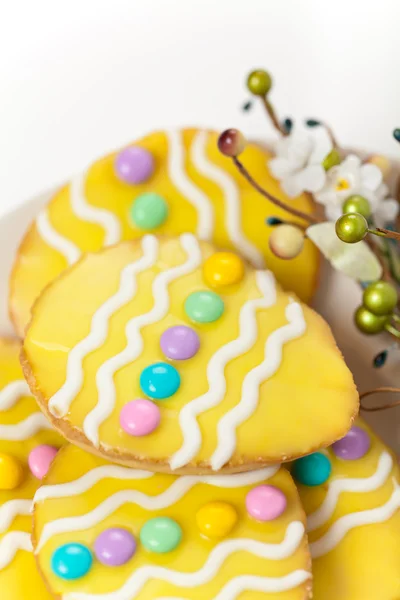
x: 180, y: 342
x: 115, y: 547
x: 134, y: 165
x: 354, y: 445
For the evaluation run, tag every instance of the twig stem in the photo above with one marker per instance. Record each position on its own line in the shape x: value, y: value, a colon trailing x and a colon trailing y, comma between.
x: 293, y: 211
x: 378, y: 390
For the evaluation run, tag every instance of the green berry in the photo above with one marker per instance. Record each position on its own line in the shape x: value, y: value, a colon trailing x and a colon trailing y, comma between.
x: 351, y: 228
x: 331, y: 160
x: 259, y: 82
x: 357, y: 204
x: 380, y: 298
x: 286, y: 241
x: 369, y: 323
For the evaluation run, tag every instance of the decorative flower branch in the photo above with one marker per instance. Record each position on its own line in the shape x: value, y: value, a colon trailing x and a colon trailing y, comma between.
x: 357, y: 235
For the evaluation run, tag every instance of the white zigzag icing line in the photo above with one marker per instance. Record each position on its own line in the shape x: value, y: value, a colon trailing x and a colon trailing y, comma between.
x: 63, y: 398
x: 293, y: 537
x: 55, y: 240
x: 342, y: 526
x: 12, y: 392
x: 337, y: 486
x: 11, y: 543
x: 24, y: 429
x: 92, y: 214
x: 229, y: 423
x: 215, y: 370
x: 134, y: 346
x: 87, y: 481
x: 11, y: 509
x: 194, y: 194
x: 170, y: 496
x: 232, y: 199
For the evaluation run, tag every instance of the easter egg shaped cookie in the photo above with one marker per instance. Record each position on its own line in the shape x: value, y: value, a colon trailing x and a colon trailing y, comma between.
x: 106, y: 532
x: 27, y: 446
x: 351, y: 493
x: 166, y: 183
x: 168, y: 355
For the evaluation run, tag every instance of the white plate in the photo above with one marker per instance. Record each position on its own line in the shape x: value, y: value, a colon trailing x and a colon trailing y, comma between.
x: 336, y: 300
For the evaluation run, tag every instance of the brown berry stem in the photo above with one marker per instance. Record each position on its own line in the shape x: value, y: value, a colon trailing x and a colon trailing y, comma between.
x: 293, y: 211
x: 384, y: 389
x: 331, y: 135
x: 272, y: 115
x: 386, y: 233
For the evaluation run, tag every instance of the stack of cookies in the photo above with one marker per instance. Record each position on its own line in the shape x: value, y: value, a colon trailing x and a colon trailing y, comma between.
x: 180, y: 376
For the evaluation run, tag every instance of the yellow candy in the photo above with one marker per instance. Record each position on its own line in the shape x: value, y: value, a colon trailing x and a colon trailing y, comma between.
x: 222, y: 269
x: 216, y: 519
x: 11, y: 472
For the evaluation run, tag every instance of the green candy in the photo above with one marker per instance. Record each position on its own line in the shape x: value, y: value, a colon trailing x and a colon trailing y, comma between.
x: 204, y: 307
x: 161, y: 535
x: 149, y: 211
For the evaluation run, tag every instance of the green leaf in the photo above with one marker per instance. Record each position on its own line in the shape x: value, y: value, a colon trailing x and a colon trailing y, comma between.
x: 355, y: 260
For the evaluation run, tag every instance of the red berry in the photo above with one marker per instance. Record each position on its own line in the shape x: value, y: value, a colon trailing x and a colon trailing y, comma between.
x: 231, y: 142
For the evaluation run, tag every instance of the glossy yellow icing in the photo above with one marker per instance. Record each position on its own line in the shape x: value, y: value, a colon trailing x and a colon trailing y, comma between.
x: 20, y: 579
x: 37, y: 263
x: 309, y: 401
x: 194, y: 550
x: 365, y: 564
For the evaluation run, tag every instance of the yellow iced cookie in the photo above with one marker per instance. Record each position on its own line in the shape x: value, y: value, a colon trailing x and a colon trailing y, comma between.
x: 167, y: 183
x: 168, y: 355
x: 351, y: 494
x: 104, y: 532
x: 27, y: 446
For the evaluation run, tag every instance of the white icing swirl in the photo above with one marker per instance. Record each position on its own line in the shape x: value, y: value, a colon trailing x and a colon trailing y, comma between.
x: 139, y: 577
x: 55, y: 240
x: 342, y: 526
x: 24, y: 429
x: 229, y: 423
x: 194, y: 194
x: 92, y: 214
x: 179, y: 487
x: 215, y: 370
x: 356, y: 485
x: 11, y: 543
x: 232, y: 199
x: 12, y: 392
x: 134, y: 346
x: 88, y: 480
x: 11, y: 509
x: 61, y: 401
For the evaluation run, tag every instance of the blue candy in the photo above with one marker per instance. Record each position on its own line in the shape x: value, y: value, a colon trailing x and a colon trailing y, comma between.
x: 313, y: 469
x: 71, y: 561
x: 160, y: 380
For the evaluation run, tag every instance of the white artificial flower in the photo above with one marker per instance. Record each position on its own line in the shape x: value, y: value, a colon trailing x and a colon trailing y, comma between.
x: 298, y: 160
x: 353, y: 177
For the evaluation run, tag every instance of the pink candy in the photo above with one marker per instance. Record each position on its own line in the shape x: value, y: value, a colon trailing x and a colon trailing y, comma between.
x: 139, y: 417
x: 265, y: 503
x: 40, y: 459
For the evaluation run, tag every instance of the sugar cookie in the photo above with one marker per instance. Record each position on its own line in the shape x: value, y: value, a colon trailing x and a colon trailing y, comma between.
x: 26, y: 445
x: 103, y: 531
x: 132, y: 355
x: 167, y: 183
x: 353, y: 508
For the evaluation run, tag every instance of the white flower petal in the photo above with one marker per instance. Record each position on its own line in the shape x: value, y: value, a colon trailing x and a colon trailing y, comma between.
x: 312, y: 178
x: 333, y: 212
x: 291, y: 185
x: 299, y: 150
x: 355, y: 260
x: 327, y: 196
x: 322, y: 145
x: 279, y: 167
x: 371, y: 176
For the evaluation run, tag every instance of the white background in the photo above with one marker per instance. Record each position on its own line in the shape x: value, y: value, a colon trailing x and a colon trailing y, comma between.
x: 80, y: 77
